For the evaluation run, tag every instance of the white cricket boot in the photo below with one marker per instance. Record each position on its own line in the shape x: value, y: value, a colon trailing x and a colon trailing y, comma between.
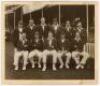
x: 16, y: 68
x: 24, y: 68
x: 44, y: 68
x: 33, y: 66
x: 54, y: 67
x: 67, y: 66
x: 39, y: 65
x: 78, y: 66
x: 61, y: 66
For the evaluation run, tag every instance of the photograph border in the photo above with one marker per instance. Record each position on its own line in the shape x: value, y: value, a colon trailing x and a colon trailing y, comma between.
x: 40, y: 82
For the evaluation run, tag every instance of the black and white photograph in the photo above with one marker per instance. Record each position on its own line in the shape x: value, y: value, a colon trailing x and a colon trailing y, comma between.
x: 49, y: 41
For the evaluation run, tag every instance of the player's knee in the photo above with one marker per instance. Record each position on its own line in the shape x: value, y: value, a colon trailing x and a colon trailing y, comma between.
x: 74, y: 54
x: 31, y: 54
x: 40, y: 54
x: 26, y: 53
x: 54, y: 53
x: 69, y: 55
x: 59, y: 54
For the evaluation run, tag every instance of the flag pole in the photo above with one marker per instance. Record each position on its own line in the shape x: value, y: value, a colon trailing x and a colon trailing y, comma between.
x: 87, y: 28
x: 22, y: 14
x: 87, y: 24
x: 30, y: 15
x: 42, y: 12
x: 59, y: 14
x: 14, y: 19
x: 86, y: 46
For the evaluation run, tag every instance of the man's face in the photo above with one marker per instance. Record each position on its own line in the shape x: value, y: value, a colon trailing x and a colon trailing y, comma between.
x: 50, y: 35
x: 31, y: 22
x: 43, y: 21
x: 55, y: 22
x: 79, y: 25
x: 67, y: 23
x: 77, y: 35
x: 20, y: 25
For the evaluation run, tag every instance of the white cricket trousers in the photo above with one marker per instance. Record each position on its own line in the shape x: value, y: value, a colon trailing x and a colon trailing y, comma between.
x: 64, y: 53
x: 18, y: 54
x: 35, y: 53
x: 76, y: 56
x: 53, y: 53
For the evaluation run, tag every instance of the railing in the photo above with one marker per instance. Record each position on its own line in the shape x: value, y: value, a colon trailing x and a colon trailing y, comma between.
x: 90, y: 48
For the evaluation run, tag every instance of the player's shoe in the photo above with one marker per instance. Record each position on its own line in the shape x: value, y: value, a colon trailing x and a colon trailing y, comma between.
x: 24, y: 68
x: 33, y: 66
x: 67, y: 66
x: 54, y: 68
x: 61, y: 66
x: 78, y: 66
x: 16, y: 68
x: 44, y: 69
x: 39, y: 65
x: 82, y: 66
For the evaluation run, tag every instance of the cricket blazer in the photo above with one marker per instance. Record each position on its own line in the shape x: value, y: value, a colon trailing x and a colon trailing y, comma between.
x: 30, y: 33
x: 78, y: 45
x: 83, y: 35
x: 43, y: 30
x: 55, y: 32
x: 69, y: 34
x: 17, y: 42
x: 64, y: 45
x: 37, y: 45
x: 52, y: 46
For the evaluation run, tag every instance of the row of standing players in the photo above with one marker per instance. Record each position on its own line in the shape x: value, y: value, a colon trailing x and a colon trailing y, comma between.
x: 44, y: 40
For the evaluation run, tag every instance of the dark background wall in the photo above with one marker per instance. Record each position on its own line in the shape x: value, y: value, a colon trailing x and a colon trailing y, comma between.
x: 68, y: 12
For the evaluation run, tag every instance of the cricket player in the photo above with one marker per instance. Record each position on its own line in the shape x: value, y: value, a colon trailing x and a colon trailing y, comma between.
x: 30, y: 29
x: 37, y: 49
x: 64, y: 50
x: 21, y: 46
x: 43, y: 28
x: 50, y: 46
x: 79, y: 42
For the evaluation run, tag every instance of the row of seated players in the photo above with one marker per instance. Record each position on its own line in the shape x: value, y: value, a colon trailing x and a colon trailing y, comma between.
x: 54, y: 40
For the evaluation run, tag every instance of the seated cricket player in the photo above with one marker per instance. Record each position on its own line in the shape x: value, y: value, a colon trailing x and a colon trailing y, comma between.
x: 63, y: 50
x: 50, y: 46
x: 79, y: 42
x: 21, y: 46
x: 37, y: 49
